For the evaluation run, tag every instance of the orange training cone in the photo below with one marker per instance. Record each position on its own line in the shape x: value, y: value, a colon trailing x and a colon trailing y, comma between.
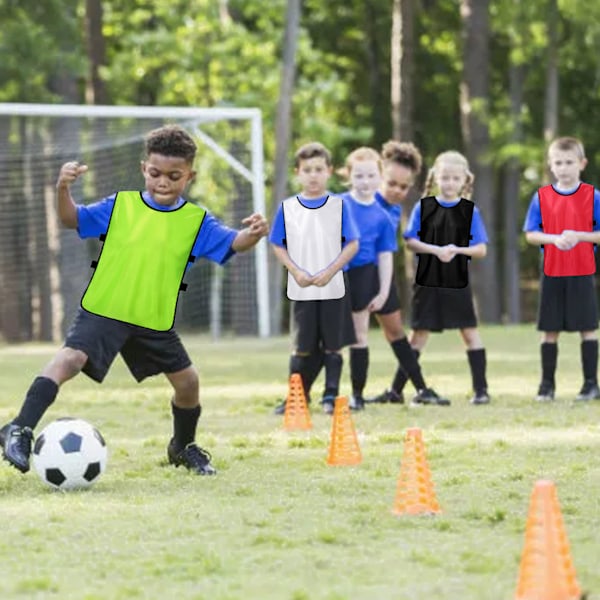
x: 414, y: 493
x: 546, y: 571
x: 296, y: 415
x: 343, y: 445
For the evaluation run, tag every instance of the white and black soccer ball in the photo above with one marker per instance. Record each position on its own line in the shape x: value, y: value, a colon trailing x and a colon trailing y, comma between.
x: 69, y: 454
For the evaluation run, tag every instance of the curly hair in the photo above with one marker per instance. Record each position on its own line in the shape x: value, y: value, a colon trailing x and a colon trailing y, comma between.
x: 402, y: 153
x: 171, y: 140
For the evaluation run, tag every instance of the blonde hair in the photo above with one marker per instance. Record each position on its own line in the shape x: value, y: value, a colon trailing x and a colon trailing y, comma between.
x: 567, y: 143
x: 362, y: 154
x: 455, y: 158
x: 402, y: 153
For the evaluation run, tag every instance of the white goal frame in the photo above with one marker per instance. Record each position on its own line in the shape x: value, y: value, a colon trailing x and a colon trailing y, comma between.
x: 254, y: 173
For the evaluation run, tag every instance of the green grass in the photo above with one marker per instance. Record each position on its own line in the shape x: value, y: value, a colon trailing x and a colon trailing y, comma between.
x: 278, y: 522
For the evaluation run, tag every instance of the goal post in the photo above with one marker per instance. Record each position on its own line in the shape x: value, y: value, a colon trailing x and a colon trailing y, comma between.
x: 44, y: 268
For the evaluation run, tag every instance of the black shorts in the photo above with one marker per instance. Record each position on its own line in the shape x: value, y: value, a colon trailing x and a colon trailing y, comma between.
x: 146, y: 352
x: 567, y: 304
x: 436, y: 309
x: 325, y: 324
x: 364, y: 286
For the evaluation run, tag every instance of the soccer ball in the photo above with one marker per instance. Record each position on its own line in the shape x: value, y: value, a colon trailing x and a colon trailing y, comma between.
x: 69, y: 454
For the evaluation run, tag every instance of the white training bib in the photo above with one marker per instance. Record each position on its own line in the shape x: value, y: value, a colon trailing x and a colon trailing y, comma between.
x: 314, y: 241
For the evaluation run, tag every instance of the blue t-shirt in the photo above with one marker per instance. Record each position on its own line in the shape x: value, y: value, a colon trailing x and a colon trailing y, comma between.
x: 478, y: 232
x: 376, y: 231
x: 214, y: 244
x: 394, y: 211
x: 533, y: 219
x: 277, y: 233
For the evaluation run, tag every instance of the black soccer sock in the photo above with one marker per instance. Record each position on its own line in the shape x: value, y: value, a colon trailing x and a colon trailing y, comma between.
x: 478, y: 365
x: 359, y: 368
x: 589, y: 359
x: 408, y: 361
x: 314, y: 362
x: 185, y: 421
x: 333, y: 372
x: 401, y: 377
x: 39, y: 397
x: 549, y: 353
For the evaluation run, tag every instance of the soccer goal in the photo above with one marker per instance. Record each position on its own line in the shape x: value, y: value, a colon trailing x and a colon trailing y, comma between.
x: 45, y: 268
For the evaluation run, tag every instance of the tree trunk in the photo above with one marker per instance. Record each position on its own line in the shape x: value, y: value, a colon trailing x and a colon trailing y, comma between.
x: 402, y: 70
x: 511, y: 201
x: 379, y: 113
x: 283, y: 127
x: 474, y: 107
x: 95, y: 89
x: 552, y: 82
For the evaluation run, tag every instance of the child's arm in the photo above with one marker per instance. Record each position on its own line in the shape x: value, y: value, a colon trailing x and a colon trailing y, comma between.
x: 257, y: 227
x: 324, y: 277
x: 66, y: 207
x: 303, y: 278
x: 539, y: 238
x: 385, y: 264
x: 444, y: 253
x: 574, y: 237
x: 474, y: 251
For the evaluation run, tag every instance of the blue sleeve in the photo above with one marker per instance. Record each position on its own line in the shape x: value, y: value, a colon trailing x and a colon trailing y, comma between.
x: 386, y: 241
x: 414, y: 223
x: 533, y: 219
x: 214, y: 240
x: 93, y: 219
x: 596, y: 210
x: 478, y: 232
x: 277, y: 233
x: 349, y: 228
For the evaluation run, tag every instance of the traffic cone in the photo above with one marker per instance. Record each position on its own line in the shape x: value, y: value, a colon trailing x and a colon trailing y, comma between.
x: 414, y: 492
x: 546, y: 571
x: 343, y: 444
x: 296, y: 415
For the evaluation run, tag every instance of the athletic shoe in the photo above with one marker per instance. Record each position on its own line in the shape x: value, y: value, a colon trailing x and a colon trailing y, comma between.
x: 481, y: 398
x: 16, y: 445
x: 280, y: 408
x: 385, y: 397
x: 429, y: 397
x: 356, y: 403
x: 328, y: 404
x: 589, y: 391
x: 192, y: 457
x: 545, y: 392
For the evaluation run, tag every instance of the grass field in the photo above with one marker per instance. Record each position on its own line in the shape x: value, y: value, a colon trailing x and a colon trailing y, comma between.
x: 278, y: 522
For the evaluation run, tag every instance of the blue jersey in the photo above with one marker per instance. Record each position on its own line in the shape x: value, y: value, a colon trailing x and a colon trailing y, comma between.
x: 533, y: 219
x: 214, y: 243
x: 394, y: 211
x: 375, y: 229
x: 349, y: 229
x: 478, y: 232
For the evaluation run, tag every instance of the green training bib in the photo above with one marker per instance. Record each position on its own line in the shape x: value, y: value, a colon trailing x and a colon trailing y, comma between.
x: 142, y: 263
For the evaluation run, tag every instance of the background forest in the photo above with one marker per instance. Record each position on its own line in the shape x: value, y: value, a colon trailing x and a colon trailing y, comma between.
x: 495, y: 79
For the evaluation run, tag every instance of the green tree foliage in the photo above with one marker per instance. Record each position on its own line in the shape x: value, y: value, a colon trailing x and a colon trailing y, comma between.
x: 228, y: 52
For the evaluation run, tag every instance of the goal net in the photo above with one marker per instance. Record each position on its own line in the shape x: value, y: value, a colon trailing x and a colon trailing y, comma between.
x: 45, y: 268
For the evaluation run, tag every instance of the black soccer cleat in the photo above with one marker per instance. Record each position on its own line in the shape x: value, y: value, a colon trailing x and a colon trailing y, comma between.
x: 589, y: 391
x: 328, y: 404
x: 481, y: 397
x: 280, y: 408
x: 192, y: 457
x: 427, y: 396
x: 390, y: 396
x: 545, y: 392
x: 356, y: 403
x: 16, y: 444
